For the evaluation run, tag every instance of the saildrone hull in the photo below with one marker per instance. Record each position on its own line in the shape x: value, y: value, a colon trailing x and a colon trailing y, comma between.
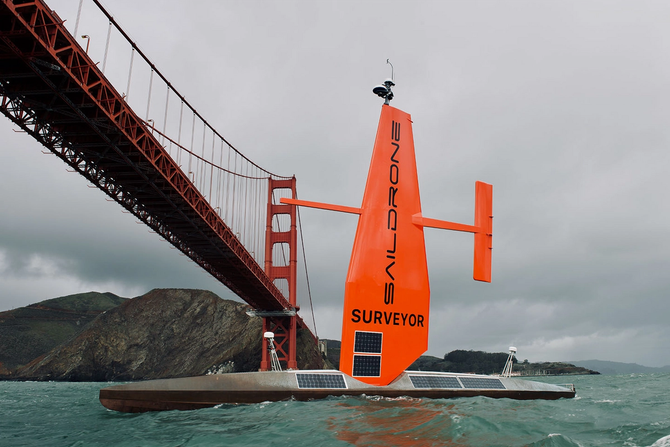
x: 191, y: 393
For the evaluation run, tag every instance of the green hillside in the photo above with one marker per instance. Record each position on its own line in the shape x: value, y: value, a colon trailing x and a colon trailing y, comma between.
x: 29, y: 332
x: 83, y: 302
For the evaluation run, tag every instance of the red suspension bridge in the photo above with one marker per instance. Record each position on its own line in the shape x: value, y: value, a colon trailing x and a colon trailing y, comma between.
x: 171, y: 169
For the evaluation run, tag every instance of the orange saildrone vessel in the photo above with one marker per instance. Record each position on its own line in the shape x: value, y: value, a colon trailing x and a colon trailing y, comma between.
x: 386, y: 303
x: 387, y: 294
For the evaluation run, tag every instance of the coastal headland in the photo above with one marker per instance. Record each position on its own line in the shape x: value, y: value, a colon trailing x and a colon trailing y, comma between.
x: 162, y: 334
x: 169, y: 333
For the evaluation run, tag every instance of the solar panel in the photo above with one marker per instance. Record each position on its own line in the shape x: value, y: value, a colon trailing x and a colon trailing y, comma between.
x: 434, y: 382
x: 307, y: 380
x: 367, y: 365
x: 368, y: 342
x: 483, y: 383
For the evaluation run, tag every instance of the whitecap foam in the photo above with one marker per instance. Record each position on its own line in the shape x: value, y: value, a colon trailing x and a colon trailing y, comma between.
x: 663, y: 442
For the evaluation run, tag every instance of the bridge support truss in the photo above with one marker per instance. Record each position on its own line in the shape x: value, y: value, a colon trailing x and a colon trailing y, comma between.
x: 283, y: 324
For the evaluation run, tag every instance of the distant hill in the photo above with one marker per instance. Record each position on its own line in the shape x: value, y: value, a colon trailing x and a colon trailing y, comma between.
x: 478, y: 362
x: 28, y: 332
x: 164, y: 333
x: 606, y: 367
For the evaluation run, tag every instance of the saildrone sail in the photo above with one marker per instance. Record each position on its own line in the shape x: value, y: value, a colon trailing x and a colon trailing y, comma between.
x: 387, y: 293
x: 387, y: 296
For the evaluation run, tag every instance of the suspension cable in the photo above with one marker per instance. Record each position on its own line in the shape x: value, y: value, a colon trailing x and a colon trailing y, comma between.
x: 304, y: 260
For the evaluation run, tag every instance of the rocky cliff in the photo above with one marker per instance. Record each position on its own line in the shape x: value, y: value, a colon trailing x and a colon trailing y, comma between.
x: 165, y: 333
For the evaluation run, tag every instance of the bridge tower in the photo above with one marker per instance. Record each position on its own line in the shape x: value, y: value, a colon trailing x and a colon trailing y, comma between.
x: 282, y: 323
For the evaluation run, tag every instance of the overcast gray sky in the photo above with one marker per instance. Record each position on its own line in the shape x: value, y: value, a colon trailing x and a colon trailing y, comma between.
x: 562, y: 106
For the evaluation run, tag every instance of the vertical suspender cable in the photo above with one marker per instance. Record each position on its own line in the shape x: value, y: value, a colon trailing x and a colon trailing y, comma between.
x: 246, y: 187
x: 203, y: 168
x: 260, y: 217
x: 76, y: 23
x: 211, y: 173
x: 304, y: 260
x: 219, y: 177
x: 109, y: 35
x: 181, y: 118
x: 151, y: 81
x: 255, y: 216
x: 167, y: 103
x: 241, y: 202
x: 130, y: 74
x: 233, y: 195
x: 227, y: 184
x: 190, y: 152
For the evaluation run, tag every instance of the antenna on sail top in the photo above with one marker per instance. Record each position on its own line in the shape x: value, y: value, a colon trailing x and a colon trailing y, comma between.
x: 384, y: 90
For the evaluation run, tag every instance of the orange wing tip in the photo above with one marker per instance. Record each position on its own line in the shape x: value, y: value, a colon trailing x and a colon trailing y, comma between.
x: 484, y: 237
x: 482, y: 229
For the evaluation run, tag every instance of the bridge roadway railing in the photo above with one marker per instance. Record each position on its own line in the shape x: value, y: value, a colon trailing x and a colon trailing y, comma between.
x: 52, y: 90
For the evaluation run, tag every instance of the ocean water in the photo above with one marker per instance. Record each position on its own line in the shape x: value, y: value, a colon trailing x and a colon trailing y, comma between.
x: 624, y: 410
